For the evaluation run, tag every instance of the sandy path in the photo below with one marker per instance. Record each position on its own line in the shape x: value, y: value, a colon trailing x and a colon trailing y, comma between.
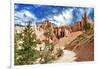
x: 68, y: 56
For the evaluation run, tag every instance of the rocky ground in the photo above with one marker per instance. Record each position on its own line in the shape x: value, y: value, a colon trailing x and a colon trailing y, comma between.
x: 62, y: 42
x: 85, y: 52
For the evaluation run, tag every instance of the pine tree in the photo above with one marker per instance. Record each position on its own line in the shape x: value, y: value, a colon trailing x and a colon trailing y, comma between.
x: 86, y: 25
x: 27, y: 54
x: 25, y: 48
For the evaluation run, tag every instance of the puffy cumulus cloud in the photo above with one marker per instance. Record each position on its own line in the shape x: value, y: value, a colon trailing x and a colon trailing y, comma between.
x: 27, y: 13
x: 56, y: 14
x: 63, y: 18
x: 23, y: 16
x: 68, y: 16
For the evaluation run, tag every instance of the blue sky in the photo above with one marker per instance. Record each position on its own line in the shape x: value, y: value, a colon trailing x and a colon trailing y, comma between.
x: 56, y: 14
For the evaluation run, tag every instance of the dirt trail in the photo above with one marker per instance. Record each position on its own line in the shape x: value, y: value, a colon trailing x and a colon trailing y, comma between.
x: 68, y: 56
x: 84, y: 52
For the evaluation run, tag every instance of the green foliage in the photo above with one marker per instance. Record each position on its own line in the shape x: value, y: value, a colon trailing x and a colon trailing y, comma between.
x: 59, y: 53
x: 25, y: 48
x: 86, y: 25
x: 27, y: 53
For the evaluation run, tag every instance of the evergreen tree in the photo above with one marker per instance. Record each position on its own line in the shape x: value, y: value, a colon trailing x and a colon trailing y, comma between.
x: 86, y: 25
x: 25, y: 48
x: 27, y: 54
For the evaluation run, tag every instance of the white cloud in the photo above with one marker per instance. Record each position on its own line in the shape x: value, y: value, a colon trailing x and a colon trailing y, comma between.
x: 68, y: 16
x: 23, y: 15
x: 55, y: 22
x: 59, y: 18
x: 28, y: 13
x: 64, y: 18
x: 81, y: 11
x: 54, y: 10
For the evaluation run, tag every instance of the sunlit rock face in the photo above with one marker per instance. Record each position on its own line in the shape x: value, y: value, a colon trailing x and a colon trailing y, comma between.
x: 62, y: 31
x: 78, y: 26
